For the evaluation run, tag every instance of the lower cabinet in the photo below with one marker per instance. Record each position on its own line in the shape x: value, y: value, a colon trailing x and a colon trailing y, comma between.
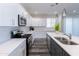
x: 54, y: 48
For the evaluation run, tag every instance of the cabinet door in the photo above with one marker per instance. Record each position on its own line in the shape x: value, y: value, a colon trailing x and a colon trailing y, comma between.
x: 48, y: 42
x: 58, y: 50
x: 52, y: 47
x: 29, y: 20
x: 64, y: 53
x: 8, y: 14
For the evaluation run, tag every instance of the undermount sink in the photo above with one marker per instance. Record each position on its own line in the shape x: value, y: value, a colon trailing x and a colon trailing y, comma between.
x: 65, y: 41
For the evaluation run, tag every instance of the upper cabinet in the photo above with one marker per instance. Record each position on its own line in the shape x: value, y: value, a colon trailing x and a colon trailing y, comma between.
x: 9, y: 14
x: 29, y: 20
x: 33, y: 21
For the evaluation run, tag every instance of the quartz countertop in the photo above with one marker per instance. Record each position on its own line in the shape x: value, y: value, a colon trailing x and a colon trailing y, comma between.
x: 72, y: 50
x: 9, y: 46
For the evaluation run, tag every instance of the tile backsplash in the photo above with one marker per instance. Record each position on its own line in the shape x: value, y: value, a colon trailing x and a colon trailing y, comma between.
x: 5, y: 33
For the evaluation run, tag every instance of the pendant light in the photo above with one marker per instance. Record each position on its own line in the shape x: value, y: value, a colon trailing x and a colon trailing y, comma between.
x: 64, y: 12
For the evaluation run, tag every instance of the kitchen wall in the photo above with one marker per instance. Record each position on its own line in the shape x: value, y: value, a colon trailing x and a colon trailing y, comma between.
x: 5, y: 33
x: 40, y: 31
x: 25, y: 29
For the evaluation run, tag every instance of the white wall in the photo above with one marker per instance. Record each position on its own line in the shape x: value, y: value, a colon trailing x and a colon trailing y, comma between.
x: 5, y: 33
x: 24, y: 29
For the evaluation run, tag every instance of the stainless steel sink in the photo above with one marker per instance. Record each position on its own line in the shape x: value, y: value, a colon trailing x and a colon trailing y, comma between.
x: 65, y: 41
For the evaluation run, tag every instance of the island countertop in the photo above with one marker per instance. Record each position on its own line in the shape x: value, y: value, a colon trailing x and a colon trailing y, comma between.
x: 10, y: 45
x: 72, y: 50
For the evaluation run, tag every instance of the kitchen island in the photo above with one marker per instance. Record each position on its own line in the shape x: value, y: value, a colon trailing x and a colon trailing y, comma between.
x: 72, y: 50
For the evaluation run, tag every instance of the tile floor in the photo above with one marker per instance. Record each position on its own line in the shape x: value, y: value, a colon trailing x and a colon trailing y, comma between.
x: 39, y: 48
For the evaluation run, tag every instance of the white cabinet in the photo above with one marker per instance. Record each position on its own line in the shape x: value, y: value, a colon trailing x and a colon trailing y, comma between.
x: 33, y: 21
x: 38, y: 22
x: 29, y: 20
x: 8, y: 15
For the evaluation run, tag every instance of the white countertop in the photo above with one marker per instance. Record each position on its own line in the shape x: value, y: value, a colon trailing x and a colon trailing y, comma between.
x: 72, y: 50
x: 7, y: 47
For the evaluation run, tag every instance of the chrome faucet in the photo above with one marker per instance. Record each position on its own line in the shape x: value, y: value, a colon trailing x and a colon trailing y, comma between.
x: 69, y: 35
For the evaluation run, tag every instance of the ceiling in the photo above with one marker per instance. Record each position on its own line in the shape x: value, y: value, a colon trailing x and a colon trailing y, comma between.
x: 50, y: 9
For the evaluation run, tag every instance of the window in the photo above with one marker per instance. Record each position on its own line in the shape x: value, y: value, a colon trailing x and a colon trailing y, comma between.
x: 51, y: 22
x: 68, y: 25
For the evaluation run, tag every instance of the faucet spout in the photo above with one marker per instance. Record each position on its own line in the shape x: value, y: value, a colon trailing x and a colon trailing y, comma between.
x: 69, y: 35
